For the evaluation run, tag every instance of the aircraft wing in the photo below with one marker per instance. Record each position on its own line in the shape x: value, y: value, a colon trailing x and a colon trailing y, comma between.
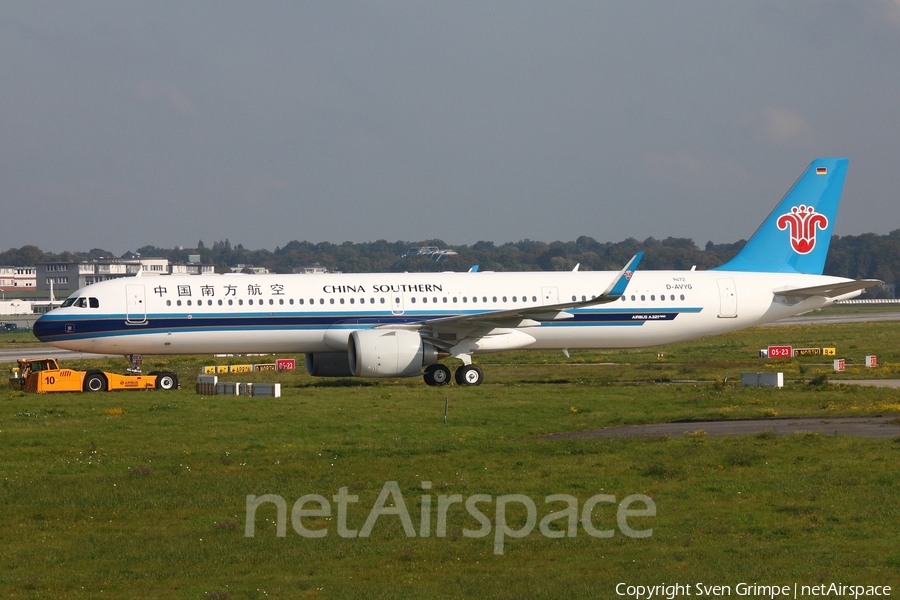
x: 829, y: 291
x: 519, y: 317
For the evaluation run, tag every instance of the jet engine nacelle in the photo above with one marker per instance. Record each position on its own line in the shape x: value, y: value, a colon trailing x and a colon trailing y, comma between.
x: 390, y: 353
x: 328, y: 364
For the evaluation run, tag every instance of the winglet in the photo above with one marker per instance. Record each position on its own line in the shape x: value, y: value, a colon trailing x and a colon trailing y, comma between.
x: 617, y: 287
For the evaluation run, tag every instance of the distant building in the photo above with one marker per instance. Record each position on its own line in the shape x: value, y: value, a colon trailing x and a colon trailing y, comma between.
x: 69, y: 276
x: 15, y: 308
x: 15, y: 279
x: 313, y: 269
x: 192, y: 269
x: 249, y: 268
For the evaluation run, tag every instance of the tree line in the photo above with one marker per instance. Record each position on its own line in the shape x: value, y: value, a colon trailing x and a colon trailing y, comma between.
x: 862, y: 256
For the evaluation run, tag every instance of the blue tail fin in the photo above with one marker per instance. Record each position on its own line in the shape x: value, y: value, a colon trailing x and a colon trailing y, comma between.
x: 795, y: 236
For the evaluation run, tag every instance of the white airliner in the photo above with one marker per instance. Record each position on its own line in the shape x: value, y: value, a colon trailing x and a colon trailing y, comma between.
x: 396, y: 324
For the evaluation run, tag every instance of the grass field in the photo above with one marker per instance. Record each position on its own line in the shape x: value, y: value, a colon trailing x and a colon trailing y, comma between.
x: 144, y: 494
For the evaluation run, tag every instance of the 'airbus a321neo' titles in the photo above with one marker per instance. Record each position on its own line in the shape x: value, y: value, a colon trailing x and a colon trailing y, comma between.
x: 397, y: 324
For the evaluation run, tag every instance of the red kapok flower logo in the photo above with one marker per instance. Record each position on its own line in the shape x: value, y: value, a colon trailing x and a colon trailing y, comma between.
x: 803, y: 222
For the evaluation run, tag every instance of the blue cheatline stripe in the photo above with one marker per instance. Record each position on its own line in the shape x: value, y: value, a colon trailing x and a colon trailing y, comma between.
x: 58, y: 327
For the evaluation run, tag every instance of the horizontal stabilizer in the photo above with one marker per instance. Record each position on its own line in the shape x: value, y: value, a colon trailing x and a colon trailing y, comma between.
x: 829, y: 291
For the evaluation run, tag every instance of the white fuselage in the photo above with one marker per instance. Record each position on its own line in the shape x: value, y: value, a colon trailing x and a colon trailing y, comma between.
x: 316, y: 313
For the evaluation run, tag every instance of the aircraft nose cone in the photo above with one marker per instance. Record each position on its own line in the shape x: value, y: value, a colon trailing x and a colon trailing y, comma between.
x: 46, y: 329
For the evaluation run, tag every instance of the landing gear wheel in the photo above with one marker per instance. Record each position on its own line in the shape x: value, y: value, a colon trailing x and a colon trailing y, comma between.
x: 469, y: 375
x: 94, y: 382
x: 437, y: 375
x: 166, y: 381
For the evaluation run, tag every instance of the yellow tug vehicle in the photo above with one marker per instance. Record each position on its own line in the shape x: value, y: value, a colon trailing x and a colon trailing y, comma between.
x: 43, y: 375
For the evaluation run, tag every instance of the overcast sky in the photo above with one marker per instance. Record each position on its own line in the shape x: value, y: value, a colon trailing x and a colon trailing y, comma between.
x: 132, y: 123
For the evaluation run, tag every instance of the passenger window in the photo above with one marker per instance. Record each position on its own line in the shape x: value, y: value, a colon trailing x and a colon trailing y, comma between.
x: 168, y: 303
x: 682, y: 296
x: 178, y: 302
x: 220, y: 303
x: 240, y: 302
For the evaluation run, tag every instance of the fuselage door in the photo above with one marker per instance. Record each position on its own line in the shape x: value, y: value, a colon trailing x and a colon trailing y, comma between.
x: 727, y: 299
x: 550, y: 295
x: 397, y: 303
x: 135, y: 304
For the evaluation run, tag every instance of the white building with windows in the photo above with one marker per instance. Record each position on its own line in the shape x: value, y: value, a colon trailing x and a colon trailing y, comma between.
x: 16, y: 279
x: 69, y: 276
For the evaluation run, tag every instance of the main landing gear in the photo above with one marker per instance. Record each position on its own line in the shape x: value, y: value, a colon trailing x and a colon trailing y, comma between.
x: 465, y: 375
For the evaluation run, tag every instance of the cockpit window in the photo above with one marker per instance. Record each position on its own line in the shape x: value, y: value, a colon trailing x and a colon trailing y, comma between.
x: 82, y: 302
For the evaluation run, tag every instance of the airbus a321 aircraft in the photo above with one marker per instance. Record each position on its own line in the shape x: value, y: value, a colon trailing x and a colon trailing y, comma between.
x: 396, y: 324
